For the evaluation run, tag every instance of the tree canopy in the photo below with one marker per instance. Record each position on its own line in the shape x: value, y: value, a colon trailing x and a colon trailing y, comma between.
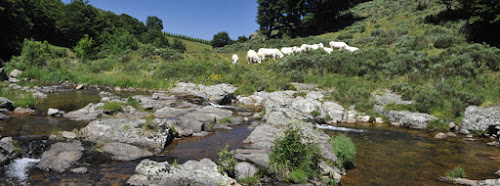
x: 221, y: 39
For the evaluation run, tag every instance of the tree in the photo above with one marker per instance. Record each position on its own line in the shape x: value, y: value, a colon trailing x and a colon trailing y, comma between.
x: 84, y: 50
x: 221, y: 39
x: 179, y: 45
x: 242, y: 39
x: 154, y: 23
x: 121, y: 41
x: 155, y: 37
x: 77, y: 18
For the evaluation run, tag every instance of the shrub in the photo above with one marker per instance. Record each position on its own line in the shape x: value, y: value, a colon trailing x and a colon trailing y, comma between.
x: 226, y: 161
x: 457, y: 172
x: 344, y: 148
x: 289, y: 154
x: 252, y: 180
x: 225, y: 120
x: 344, y: 36
x: 84, y: 50
x: 34, y: 53
x: 401, y: 107
x: 315, y: 113
x: 134, y: 103
x: 168, y: 54
x: 121, y: 41
x: 298, y: 176
x: 438, y: 125
x: 19, y: 99
x: 444, y: 41
x: 179, y: 45
x: 113, y: 106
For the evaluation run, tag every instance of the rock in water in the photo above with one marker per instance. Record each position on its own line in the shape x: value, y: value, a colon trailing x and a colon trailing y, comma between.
x: 440, y: 135
x: 80, y: 86
x: 6, y: 104
x: 7, y: 150
x: 3, y: 75
x: 61, y: 156
x: 203, y: 172
x: 477, y: 118
x: 88, y: 113
x: 125, y: 152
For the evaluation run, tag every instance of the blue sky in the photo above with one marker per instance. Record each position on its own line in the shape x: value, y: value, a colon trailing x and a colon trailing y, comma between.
x: 195, y: 18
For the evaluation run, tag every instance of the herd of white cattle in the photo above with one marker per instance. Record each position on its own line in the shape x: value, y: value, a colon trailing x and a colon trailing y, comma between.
x: 261, y: 54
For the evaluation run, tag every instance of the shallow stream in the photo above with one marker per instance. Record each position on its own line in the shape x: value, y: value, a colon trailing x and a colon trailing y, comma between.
x: 386, y: 155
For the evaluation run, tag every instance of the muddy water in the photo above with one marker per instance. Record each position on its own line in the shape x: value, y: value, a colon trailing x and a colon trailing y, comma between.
x: 388, y: 155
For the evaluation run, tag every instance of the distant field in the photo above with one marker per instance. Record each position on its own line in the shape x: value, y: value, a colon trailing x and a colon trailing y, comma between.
x: 192, y: 47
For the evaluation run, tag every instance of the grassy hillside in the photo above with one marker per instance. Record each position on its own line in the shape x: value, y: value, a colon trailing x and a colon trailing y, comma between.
x: 193, y: 47
x: 400, y: 49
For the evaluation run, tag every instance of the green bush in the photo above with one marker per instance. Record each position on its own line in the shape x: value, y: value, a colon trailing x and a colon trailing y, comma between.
x: 113, y: 106
x: 345, y: 36
x: 168, y: 54
x: 84, y: 50
x: 444, y: 41
x: 226, y: 160
x: 401, y: 107
x: 344, y: 148
x: 457, y: 172
x: 315, y: 113
x: 34, y: 53
x: 179, y: 45
x: 298, y: 176
x: 438, y: 125
x: 19, y: 98
x: 121, y: 41
x: 289, y: 154
x: 225, y: 120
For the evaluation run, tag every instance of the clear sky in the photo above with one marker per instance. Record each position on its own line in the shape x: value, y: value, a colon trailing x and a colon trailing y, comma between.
x: 195, y: 18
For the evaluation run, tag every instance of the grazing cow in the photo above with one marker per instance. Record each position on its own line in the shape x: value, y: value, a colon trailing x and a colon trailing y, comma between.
x: 299, y: 50
x: 263, y: 52
x: 288, y: 50
x: 307, y: 47
x: 351, y: 49
x: 235, y: 59
x: 339, y: 45
x: 253, y: 57
x: 328, y: 50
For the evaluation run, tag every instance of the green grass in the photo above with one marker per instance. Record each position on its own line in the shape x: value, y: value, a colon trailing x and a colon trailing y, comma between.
x: 113, y: 106
x: 400, y: 107
x: 439, y: 125
x: 226, y: 160
x: 134, y: 103
x: 457, y: 172
x: 18, y: 97
x: 298, y: 176
x: 193, y: 47
x: 225, y: 120
x: 315, y: 113
x: 344, y: 148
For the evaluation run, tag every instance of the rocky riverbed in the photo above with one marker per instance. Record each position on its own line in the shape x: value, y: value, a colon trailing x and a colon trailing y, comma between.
x: 138, y: 143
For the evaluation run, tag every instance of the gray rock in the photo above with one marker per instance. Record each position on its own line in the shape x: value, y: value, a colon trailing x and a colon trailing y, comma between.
x: 408, y: 119
x: 315, y: 95
x: 244, y: 169
x: 88, y: 113
x: 451, y: 134
x: 7, y: 150
x: 24, y: 111
x: 125, y: 152
x: 105, y: 94
x: 68, y: 135
x: 214, y: 93
x: 464, y: 131
x: 61, y: 156
x: 303, y: 86
x: 129, y: 131
x: 154, y: 103
x: 258, y: 157
x: 201, y: 134
x: 53, y: 112
x: 477, y: 118
x: 203, y: 172
x: 15, y: 73
x: 334, y: 110
x: 169, y: 112
x: 363, y: 119
x: 79, y: 170
x: 440, y: 135
x: 6, y: 103
x: 452, y: 125
x: 80, y: 86
x: 138, y: 180
x: 39, y: 95
x: 497, y: 173
x: 3, y: 116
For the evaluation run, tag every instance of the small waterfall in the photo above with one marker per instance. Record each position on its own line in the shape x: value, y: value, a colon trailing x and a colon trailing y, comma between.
x: 18, y: 169
x: 344, y: 129
x: 222, y: 106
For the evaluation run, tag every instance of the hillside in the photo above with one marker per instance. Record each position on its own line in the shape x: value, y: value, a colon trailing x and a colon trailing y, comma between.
x: 192, y: 47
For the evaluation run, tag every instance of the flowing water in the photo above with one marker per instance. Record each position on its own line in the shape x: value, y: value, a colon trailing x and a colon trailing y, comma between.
x: 386, y: 155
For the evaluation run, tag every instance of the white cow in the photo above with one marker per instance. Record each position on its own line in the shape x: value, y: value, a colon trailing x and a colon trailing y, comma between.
x: 263, y: 52
x: 299, y: 50
x: 351, y: 49
x: 339, y: 45
x: 307, y: 47
x: 328, y: 50
x: 253, y: 57
x: 235, y: 59
x: 288, y: 50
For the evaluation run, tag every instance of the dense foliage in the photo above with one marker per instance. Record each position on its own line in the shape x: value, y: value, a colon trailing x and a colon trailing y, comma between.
x: 293, y: 160
x: 221, y: 39
x: 344, y: 149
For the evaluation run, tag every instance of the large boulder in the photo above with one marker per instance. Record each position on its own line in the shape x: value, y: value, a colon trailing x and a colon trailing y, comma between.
x: 88, y: 113
x: 156, y: 101
x: 220, y: 93
x: 203, y: 172
x: 244, y: 169
x: 477, y: 118
x: 408, y: 119
x: 125, y: 152
x: 7, y: 150
x: 61, y: 156
x: 130, y: 131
